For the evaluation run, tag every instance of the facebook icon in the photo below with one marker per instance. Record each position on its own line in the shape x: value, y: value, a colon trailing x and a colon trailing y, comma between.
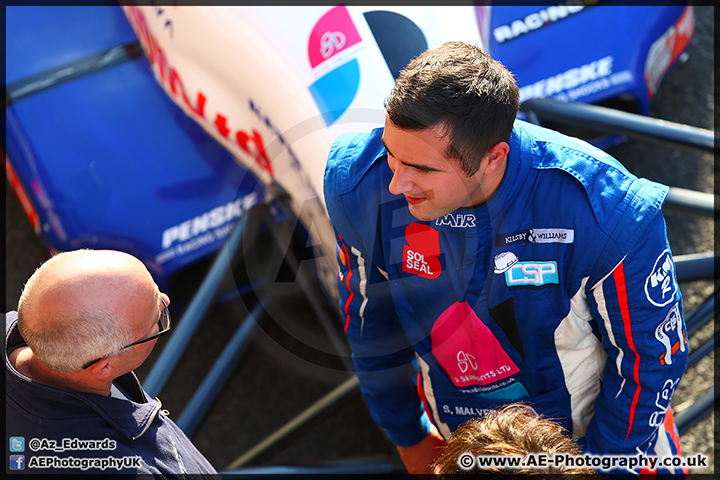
x: 17, y: 462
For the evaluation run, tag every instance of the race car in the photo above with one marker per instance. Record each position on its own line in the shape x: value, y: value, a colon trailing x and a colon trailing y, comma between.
x: 153, y: 129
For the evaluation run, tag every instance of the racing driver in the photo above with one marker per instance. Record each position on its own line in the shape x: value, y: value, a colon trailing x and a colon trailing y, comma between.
x: 484, y: 260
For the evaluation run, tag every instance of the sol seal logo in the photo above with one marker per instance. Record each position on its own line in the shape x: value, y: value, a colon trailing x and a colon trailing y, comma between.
x: 660, y: 286
x: 420, y: 255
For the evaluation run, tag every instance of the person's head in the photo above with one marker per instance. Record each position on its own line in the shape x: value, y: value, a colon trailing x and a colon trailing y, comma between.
x: 460, y: 88
x: 514, y: 430
x: 455, y: 105
x: 85, y: 305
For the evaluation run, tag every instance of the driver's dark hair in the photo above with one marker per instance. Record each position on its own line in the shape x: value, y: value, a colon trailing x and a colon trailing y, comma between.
x: 457, y: 86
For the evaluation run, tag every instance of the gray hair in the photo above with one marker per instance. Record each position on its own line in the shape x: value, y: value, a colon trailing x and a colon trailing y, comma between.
x: 65, y: 342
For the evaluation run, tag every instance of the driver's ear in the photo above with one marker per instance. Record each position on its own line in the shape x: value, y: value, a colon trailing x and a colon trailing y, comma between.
x: 494, y: 158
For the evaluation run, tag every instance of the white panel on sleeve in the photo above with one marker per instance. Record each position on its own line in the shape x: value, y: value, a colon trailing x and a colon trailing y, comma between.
x: 582, y: 358
x: 602, y: 310
x: 363, y: 284
x: 443, y: 428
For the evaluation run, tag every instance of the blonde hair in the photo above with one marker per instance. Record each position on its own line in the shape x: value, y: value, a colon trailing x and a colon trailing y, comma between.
x: 514, y: 430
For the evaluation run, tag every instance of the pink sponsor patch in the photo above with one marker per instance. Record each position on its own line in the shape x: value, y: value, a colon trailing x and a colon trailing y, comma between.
x: 467, y: 350
x: 333, y: 33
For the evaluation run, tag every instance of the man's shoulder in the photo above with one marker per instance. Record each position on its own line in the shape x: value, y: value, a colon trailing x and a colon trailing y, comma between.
x: 622, y: 204
x: 351, y: 158
x: 605, y: 180
x: 556, y: 150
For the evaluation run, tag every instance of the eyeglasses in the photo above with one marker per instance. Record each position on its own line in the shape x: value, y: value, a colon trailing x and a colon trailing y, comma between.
x: 163, y: 326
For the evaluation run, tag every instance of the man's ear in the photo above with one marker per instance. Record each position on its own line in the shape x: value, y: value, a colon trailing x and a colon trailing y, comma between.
x: 103, y: 368
x: 495, y: 157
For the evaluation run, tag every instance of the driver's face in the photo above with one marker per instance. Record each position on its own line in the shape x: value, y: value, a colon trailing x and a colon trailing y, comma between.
x: 433, y: 184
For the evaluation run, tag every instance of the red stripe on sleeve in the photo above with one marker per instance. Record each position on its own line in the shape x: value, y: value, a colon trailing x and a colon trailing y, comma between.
x: 669, y: 424
x: 421, y: 394
x: 621, y: 287
x: 347, y: 284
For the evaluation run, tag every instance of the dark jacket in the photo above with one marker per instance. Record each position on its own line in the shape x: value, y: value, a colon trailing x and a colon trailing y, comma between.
x: 64, y: 431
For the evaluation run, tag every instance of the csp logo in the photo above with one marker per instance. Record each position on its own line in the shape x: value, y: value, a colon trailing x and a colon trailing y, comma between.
x: 660, y: 286
x: 535, y: 274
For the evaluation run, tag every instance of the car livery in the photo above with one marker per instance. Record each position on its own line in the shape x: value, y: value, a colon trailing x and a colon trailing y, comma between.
x: 127, y: 125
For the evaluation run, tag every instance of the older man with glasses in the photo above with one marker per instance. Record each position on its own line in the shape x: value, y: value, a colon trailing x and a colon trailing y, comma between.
x: 86, y: 319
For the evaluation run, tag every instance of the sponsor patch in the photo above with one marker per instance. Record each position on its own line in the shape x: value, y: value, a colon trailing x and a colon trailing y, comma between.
x: 420, y: 255
x: 534, y: 274
x: 662, y: 402
x: 474, y: 411
x: 457, y: 220
x: 660, y: 286
x: 671, y: 334
x: 536, y: 235
x: 468, y: 351
x: 504, y: 260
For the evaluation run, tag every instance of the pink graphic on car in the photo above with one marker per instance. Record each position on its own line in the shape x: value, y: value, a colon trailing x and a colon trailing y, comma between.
x: 334, y: 32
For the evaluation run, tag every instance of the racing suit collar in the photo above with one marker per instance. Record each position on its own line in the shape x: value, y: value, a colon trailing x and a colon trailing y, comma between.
x: 515, y: 173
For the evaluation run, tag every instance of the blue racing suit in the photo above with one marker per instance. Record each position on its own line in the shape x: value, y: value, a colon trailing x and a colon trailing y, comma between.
x: 559, y: 292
